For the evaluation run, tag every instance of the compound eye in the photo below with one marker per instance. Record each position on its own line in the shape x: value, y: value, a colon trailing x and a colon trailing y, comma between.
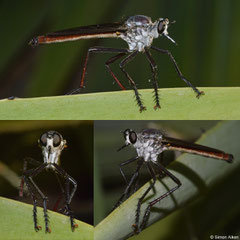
x: 133, y: 137
x: 43, y: 139
x: 161, y: 27
x: 56, y: 140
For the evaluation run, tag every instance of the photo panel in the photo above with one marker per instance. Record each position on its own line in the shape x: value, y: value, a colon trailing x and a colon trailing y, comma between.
x: 203, y: 180
x: 47, y: 164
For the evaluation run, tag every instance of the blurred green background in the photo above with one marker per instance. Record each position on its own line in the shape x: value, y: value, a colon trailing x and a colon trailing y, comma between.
x: 198, y: 219
x: 19, y: 139
x: 207, y: 33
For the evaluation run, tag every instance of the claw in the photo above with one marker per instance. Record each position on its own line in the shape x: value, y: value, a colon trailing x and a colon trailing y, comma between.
x: 37, y: 228
x: 136, y: 230
x: 142, y: 108
x: 200, y: 93
x: 74, y: 226
x: 157, y: 106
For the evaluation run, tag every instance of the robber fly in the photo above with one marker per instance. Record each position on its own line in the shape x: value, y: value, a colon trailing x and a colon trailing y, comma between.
x: 138, y: 32
x: 52, y: 144
x: 149, y: 144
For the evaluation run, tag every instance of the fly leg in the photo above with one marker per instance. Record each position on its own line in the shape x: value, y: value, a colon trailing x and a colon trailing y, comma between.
x: 27, y: 161
x: 121, y: 52
x: 69, y: 195
x: 137, y: 228
x: 130, y: 184
x: 155, y: 201
x: 28, y: 175
x: 199, y: 93
x: 154, y: 78
x: 132, y: 83
x: 56, y: 205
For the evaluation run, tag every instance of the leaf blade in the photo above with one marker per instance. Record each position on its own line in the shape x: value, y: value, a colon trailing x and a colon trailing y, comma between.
x: 17, y: 223
x: 177, y: 103
x: 205, y: 173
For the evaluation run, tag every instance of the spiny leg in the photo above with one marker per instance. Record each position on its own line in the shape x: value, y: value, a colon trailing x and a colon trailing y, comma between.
x: 69, y: 196
x: 152, y: 203
x: 199, y: 93
x: 132, y: 83
x: 137, y: 229
x: 130, y: 184
x: 25, y: 165
x: 35, y: 221
x: 28, y: 179
x: 154, y: 76
x: 98, y: 50
x: 45, y: 199
x: 45, y: 214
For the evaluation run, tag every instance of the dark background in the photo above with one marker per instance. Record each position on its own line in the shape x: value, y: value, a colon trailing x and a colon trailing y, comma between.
x: 19, y: 139
x: 207, y: 33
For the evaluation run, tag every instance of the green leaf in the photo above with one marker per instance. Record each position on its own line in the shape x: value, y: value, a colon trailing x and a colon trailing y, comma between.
x: 176, y: 103
x: 197, y: 175
x: 16, y: 223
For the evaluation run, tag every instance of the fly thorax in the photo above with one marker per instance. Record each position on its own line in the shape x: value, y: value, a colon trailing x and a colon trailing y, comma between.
x: 148, y: 149
x: 149, y: 144
x: 139, y: 35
